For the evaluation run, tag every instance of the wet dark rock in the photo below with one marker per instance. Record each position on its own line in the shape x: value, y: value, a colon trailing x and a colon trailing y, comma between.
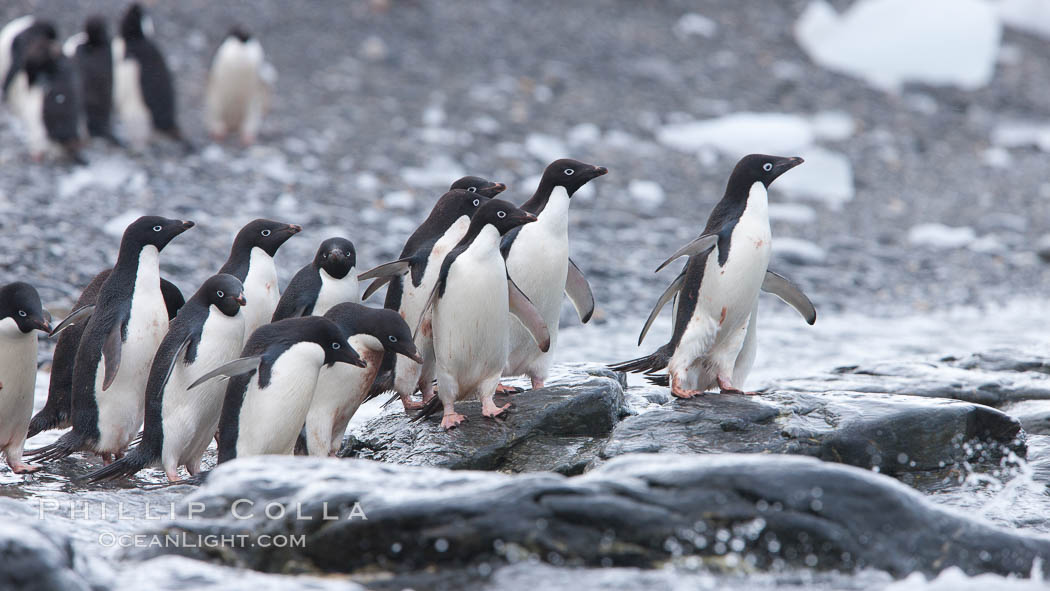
x: 557, y: 428
x: 639, y: 510
x: 893, y: 434
x: 34, y: 558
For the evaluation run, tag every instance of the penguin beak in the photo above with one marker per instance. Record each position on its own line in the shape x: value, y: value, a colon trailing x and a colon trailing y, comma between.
x: 186, y: 225
x: 526, y: 218
x: 408, y: 349
x: 786, y: 164
x: 294, y: 229
x: 42, y: 324
x: 240, y: 299
x: 596, y: 171
x: 493, y: 190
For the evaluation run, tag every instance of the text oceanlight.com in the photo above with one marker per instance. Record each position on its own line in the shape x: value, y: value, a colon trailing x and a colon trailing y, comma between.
x: 188, y: 540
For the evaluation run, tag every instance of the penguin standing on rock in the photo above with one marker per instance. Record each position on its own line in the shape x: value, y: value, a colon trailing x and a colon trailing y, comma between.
x: 92, y: 54
x: 180, y: 423
x: 117, y: 348
x: 716, y: 295
x: 329, y: 280
x: 342, y: 388
x: 412, y: 278
x: 21, y: 315
x: 251, y: 261
x: 472, y: 302
x: 273, y: 383
x: 144, y: 90
x: 239, y: 87
x: 58, y: 410
x: 538, y: 261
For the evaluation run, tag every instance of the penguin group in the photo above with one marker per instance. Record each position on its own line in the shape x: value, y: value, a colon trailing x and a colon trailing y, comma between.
x: 63, y: 93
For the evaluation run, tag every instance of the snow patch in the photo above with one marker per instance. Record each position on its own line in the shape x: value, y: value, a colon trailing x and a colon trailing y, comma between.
x: 545, y: 148
x: 1021, y: 134
x: 793, y: 213
x: 1030, y: 16
x: 117, y: 225
x: 649, y: 194
x: 695, y: 24
x: 108, y: 174
x: 798, y: 251
x: 940, y: 236
x: 439, y: 171
x: 740, y: 133
x: 891, y: 42
x: 825, y: 176
x: 400, y: 199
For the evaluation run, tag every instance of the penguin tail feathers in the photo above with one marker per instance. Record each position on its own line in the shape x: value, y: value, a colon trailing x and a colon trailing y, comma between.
x: 46, y: 420
x: 661, y: 379
x: 129, y: 465
x: 428, y: 409
x: 65, y: 446
x: 648, y: 364
x: 384, y: 382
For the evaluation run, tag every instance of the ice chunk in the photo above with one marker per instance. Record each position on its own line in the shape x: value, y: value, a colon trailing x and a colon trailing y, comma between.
x: 695, y: 24
x: 648, y: 194
x: 439, y: 171
x: 1018, y: 134
x: 399, y: 199
x: 117, y: 225
x: 739, y: 134
x: 108, y: 174
x: 890, y: 42
x: 941, y: 236
x: 825, y: 176
x: 798, y: 251
x: 795, y: 213
x: 1031, y: 16
x: 545, y: 148
x: 584, y: 134
x: 833, y: 125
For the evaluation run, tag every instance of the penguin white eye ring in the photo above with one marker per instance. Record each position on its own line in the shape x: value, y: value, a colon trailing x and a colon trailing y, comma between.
x: 477, y: 202
x: 392, y: 339
x: 22, y: 313
x: 473, y: 190
x: 265, y: 232
x: 336, y: 346
x: 501, y: 214
x: 220, y: 293
x: 569, y: 172
x: 157, y: 228
x: 768, y: 166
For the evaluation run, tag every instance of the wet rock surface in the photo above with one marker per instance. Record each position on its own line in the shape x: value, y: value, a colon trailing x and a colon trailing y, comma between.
x: 888, y: 433
x: 640, y: 510
x: 34, y: 557
x: 558, y: 428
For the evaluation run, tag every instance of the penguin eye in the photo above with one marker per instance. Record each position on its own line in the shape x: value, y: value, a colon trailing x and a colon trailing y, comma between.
x: 472, y: 189
x: 220, y: 293
x: 157, y: 228
x: 569, y: 172
x: 336, y: 346
x: 477, y: 202
x: 501, y: 214
x: 768, y: 166
x: 392, y: 339
x: 22, y: 313
x: 265, y: 232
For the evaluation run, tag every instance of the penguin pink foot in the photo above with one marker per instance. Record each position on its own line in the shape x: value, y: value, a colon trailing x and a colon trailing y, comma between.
x: 21, y: 468
x: 452, y: 420
x: 728, y: 388
x: 489, y: 408
x: 537, y: 383
x: 412, y: 405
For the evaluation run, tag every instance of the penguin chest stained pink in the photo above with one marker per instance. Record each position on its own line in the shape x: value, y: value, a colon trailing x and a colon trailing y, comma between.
x: 340, y: 391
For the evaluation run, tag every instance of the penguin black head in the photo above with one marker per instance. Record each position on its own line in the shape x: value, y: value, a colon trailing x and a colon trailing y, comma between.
x: 386, y: 326
x: 503, y: 215
x: 41, y: 59
x: 761, y: 168
x: 265, y: 234
x: 20, y: 302
x: 332, y: 339
x: 136, y: 24
x: 223, y: 291
x: 336, y: 256
x: 571, y: 174
x: 476, y: 184
x: 151, y: 230
x: 96, y: 30
x: 238, y: 32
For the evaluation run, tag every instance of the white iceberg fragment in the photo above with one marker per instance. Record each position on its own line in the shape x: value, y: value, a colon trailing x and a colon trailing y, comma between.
x: 825, y: 176
x: 739, y: 134
x: 1030, y: 16
x: 940, y: 236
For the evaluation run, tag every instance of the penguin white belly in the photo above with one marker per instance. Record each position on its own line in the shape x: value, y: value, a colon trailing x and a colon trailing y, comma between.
x: 234, y: 86
x: 27, y: 103
x: 18, y: 376
x: 135, y: 117
x: 716, y: 332
x: 414, y: 299
x: 191, y: 417
x: 271, y: 418
x: 260, y: 291
x: 121, y: 407
x: 336, y: 291
x: 340, y: 391
x: 539, y: 264
x: 471, y: 320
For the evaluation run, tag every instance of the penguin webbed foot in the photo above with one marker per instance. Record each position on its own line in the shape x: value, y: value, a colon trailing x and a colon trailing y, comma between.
x: 489, y: 409
x: 452, y: 420
x: 26, y: 468
x: 726, y: 387
x: 504, y: 389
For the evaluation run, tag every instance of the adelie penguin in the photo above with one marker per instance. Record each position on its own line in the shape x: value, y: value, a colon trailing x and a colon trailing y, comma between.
x: 15, y: 40
x: 716, y: 295
x: 472, y: 301
x: 58, y: 410
x: 342, y: 388
x: 117, y: 348
x: 21, y: 315
x: 181, y: 422
x: 92, y: 54
x: 412, y: 278
x: 144, y: 89
x: 328, y: 280
x: 273, y: 382
x: 537, y: 258
x: 239, y: 87
x: 251, y: 261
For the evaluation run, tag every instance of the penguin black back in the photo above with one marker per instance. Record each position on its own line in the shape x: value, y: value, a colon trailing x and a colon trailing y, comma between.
x: 158, y: 88
x: 94, y: 62
x: 20, y: 45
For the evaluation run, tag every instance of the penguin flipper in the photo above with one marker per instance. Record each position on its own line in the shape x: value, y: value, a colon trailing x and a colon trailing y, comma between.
x: 579, y: 292
x: 698, y: 246
x: 791, y: 294
x: 111, y: 354
x: 175, y: 359
x: 668, y: 294
x: 522, y: 308
x: 229, y: 370
x: 430, y: 304
x: 374, y: 286
x: 77, y: 316
x: 392, y: 269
